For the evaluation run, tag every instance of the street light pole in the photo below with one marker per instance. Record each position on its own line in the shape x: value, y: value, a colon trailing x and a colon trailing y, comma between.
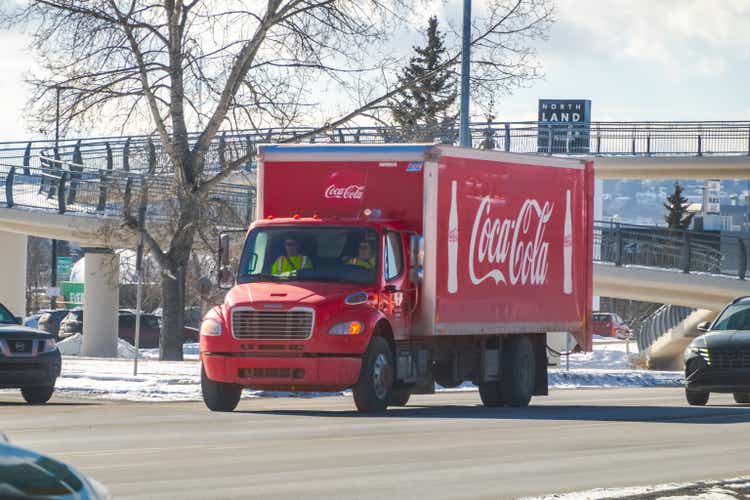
x: 464, y: 133
x: 53, y: 274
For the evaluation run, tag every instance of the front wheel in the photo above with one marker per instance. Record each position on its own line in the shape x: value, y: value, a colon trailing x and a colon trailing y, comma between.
x: 742, y: 398
x: 375, y: 385
x: 219, y: 396
x: 400, y: 397
x: 37, y: 395
x: 696, y: 398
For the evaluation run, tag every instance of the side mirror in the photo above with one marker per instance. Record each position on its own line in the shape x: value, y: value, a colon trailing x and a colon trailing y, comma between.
x: 416, y: 258
x: 703, y: 327
x: 224, y: 278
x: 19, y: 320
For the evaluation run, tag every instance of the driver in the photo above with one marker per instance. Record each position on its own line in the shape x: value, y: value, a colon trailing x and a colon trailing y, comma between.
x: 292, y: 260
x: 365, y: 256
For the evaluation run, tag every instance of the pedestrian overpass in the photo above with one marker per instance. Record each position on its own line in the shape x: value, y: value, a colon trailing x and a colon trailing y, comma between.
x: 78, y: 190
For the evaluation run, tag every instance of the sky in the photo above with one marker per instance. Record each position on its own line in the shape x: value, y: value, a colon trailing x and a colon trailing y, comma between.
x: 635, y: 60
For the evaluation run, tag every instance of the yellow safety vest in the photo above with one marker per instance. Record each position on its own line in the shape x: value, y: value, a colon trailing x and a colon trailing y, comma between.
x: 285, y: 265
x: 367, y: 264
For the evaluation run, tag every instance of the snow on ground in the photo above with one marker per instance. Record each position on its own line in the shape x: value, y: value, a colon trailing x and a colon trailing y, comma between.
x: 727, y: 489
x: 608, y: 365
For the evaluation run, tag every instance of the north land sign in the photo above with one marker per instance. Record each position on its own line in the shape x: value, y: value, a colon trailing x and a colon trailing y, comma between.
x: 564, y: 125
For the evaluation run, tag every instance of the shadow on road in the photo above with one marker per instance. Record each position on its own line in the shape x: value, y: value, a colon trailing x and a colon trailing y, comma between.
x: 654, y: 414
x: 51, y: 403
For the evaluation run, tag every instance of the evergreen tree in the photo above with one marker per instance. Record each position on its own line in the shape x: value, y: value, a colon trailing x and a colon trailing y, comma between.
x: 426, y: 109
x: 676, y: 205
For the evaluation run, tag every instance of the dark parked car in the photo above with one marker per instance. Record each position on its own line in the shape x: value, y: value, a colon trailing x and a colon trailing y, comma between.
x: 719, y: 360
x: 29, y: 359
x: 27, y: 474
x: 49, y: 321
x: 150, y: 328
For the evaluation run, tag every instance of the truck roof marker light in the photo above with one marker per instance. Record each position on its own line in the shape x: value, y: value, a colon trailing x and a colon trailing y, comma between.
x: 316, y: 216
x: 295, y: 216
x: 269, y: 217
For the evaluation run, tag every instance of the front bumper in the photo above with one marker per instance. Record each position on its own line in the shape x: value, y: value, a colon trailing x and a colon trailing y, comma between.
x: 304, y: 373
x: 28, y: 371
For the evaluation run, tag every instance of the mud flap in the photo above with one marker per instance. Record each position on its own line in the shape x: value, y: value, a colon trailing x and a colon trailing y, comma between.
x: 541, y: 381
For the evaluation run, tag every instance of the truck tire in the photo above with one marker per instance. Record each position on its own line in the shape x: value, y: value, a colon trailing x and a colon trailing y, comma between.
x: 219, y: 396
x: 491, y: 394
x: 742, y: 398
x: 518, y: 371
x: 372, y: 392
x: 400, y: 396
x: 37, y: 395
x: 696, y: 398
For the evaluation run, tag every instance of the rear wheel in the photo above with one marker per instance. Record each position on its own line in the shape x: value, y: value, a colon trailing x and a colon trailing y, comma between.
x: 400, y: 396
x: 37, y: 395
x: 372, y: 392
x: 518, y: 371
x: 742, y: 397
x: 492, y: 394
x: 696, y: 398
x: 219, y: 396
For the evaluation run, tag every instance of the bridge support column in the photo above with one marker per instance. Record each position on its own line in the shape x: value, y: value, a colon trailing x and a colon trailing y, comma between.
x: 13, y: 272
x: 101, y: 300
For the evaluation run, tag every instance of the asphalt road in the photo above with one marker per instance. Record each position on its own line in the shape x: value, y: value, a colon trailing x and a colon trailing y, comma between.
x: 441, y: 446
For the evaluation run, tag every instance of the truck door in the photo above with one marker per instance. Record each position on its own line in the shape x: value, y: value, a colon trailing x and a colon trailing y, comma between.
x: 396, y: 298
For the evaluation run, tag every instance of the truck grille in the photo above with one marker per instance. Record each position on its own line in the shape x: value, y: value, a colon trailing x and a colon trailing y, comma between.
x: 295, y: 324
x: 730, y: 359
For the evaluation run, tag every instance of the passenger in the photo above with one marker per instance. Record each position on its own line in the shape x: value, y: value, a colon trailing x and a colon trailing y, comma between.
x: 292, y: 260
x: 364, y: 258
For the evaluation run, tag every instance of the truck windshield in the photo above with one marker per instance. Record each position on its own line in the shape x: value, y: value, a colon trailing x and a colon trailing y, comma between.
x: 337, y: 254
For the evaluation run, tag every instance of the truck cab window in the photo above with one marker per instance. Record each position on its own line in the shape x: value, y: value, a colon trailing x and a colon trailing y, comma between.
x: 394, y: 258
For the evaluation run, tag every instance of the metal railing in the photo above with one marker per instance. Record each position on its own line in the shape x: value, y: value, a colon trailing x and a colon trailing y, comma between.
x: 599, y: 138
x: 664, y: 319
x: 687, y: 251
x: 67, y: 189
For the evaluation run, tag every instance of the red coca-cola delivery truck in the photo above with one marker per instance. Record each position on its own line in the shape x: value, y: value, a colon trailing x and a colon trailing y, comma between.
x: 386, y: 268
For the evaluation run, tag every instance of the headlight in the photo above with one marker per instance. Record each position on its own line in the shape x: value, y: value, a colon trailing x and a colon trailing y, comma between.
x: 347, y: 328
x: 210, y: 328
x: 701, y: 351
x: 50, y: 345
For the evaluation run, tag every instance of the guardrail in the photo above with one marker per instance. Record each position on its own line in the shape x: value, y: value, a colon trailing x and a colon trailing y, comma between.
x: 599, y: 138
x: 722, y: 253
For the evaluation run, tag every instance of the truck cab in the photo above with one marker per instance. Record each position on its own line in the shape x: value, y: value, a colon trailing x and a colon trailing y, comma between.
x: 310, y: 294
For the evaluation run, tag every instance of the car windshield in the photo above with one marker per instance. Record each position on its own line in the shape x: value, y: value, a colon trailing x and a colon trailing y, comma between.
x: 336, y: 254
x: 735, y: 317
x: 6, y: 316
x: 601, y: 317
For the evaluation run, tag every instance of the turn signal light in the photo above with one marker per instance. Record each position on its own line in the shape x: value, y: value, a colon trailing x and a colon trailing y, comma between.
x: 347, y: 328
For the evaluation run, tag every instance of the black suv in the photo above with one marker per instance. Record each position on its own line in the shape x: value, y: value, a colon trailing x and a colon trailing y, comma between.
x: 719, y: 360
x: 29, y: 359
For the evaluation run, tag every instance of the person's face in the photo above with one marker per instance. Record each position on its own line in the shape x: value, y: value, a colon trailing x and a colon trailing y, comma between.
x: 364, y: 251
x: 292, y: 247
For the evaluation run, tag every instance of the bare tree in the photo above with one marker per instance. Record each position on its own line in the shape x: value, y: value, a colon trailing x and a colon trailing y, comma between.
x: 165, y: 66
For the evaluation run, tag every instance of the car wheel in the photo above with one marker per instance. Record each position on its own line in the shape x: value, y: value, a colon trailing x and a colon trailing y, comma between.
x: 518, y: 371
x: 373, y: 389
x: 696, y: 398
x: 742, y: 398
x: 400, y: 397
x: 37, y: 395
x: 219, y: 396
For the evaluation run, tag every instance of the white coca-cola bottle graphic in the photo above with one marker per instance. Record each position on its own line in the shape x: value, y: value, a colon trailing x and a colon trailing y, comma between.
x: 567, y: 248
x: 453, y: 242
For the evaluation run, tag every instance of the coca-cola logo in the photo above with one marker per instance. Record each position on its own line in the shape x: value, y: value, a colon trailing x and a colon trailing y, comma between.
x: 352, y: 192
x: 515, y: 249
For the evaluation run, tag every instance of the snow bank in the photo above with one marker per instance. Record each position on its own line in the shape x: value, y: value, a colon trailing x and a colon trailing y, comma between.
x: 72, y: 347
